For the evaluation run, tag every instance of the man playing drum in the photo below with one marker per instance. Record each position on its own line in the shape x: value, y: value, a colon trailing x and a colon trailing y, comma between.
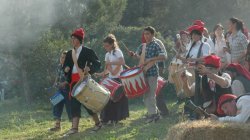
x: 150, y: 53
x: 160, y: 100
x: 79, y: 61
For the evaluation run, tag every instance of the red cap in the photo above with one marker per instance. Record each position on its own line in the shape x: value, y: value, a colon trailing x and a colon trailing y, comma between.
x: 240, y: 70
x: 183, y: 32
x: 199, y: 23
x: 143, y: 40
x: 223, y: 99
x: 195, y: 27
x: 212, y: 60
x: 78, y: 33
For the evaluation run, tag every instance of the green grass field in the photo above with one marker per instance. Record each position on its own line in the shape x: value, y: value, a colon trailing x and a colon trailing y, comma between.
x: 20, y: 121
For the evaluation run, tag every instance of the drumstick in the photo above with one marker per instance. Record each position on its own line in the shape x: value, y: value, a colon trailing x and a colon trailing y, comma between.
x: 84, y: 74
x: 126, y: 66
x: 125, y: 46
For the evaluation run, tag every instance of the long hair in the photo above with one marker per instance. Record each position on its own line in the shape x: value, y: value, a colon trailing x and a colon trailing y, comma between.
x: 239, y: 24
x: 111, y: 39
x: 215, y: 28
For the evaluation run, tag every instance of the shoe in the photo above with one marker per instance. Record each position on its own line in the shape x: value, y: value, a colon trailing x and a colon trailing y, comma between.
x: 56, y: 128
x: 97, y: 127
x: 71, y: 132
x: 153, y: 118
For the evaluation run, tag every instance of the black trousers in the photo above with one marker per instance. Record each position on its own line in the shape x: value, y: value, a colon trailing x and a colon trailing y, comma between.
x: 160, y: 103
x: 76, y: 107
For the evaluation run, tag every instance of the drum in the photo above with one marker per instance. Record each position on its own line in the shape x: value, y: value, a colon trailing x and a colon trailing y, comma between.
x: 178, y: 82
x: 161, y: 82
x: 134, y: 82
x: 91, y: 94
x: 56, y: 98
x: 173, y: 67
x: 115, y: 88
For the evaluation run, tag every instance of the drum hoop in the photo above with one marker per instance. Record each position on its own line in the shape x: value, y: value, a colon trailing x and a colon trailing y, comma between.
x: 116, y: 88
x: 124, y: 77
x: 77, y: 84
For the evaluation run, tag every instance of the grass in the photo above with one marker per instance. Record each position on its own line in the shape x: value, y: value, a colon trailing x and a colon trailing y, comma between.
x: 20, y: 121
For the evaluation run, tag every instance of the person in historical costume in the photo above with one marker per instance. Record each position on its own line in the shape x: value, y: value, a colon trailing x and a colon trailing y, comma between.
x: 63, y: 89
x: 118, y: 110
x: 80, y: 61
x: 235, y: 108
x: 240, y: 79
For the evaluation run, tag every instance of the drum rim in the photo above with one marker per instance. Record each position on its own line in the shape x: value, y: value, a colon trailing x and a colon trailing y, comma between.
x: 123, y: 77
x: 77, y: 84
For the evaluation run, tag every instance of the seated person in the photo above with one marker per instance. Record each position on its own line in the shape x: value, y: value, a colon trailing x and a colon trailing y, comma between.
x: 240, y: 77
x: 236, y: 109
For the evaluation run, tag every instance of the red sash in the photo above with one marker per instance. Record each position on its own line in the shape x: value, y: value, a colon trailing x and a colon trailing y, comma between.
x: 75, y: 77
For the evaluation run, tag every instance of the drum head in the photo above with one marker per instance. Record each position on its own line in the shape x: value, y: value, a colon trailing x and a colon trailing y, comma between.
x: 130, y: 72
x: 79, y: 87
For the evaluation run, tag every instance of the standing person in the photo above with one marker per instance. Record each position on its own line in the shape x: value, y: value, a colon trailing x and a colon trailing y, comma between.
x: 240, y: 79
x: 220, y: 44
x: 206, y: 37
x: 248, y: 57
x: 198, y: 48
x: 196, y: 52
x: 63, y: 89
x: 114, y: 61
x: 160, y: 100
x: 150, y: 53
x: 237, y: 41
x: 80, y: 60
x: 182, y: 44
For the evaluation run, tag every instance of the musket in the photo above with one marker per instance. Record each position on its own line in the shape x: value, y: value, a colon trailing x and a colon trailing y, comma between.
x: 196, y: 109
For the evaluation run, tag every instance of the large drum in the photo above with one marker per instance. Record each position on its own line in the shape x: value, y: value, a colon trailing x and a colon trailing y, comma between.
x: 174, y: 66
x: 134, y: 82
x: 91, y: 94
x: 161, y: 82
x: 115, y: 88
x: 179, y: 83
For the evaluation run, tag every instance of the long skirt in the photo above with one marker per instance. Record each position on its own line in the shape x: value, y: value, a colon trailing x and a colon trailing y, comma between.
x: 115, y: 111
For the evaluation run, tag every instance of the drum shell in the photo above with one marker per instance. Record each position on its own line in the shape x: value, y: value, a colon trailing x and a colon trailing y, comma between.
x: 134, y: 84
x: 161, y: 82
x: 93, y: 95
x: 179, y: 83
x: 115, y: 88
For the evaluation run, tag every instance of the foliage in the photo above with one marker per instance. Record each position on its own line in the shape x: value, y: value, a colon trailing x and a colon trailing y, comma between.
x: 42, y: 36
x: 42, y: 66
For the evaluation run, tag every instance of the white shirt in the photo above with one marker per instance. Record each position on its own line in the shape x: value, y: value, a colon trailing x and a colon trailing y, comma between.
x: 210, y: 42
x: 243, y: 111
x: 219, y: 45
x: 78, y: 51
x: 195, y: 49
x: 113, y: 57
x: 238, y: 88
